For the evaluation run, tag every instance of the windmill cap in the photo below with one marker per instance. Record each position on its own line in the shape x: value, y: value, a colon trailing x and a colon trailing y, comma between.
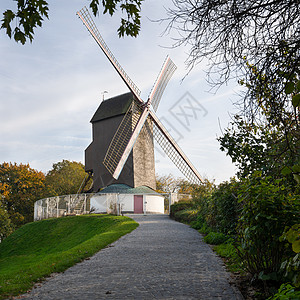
x: 113, y: 107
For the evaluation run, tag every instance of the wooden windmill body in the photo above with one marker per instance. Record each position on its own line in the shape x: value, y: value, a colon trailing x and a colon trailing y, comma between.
x: 139, y: 169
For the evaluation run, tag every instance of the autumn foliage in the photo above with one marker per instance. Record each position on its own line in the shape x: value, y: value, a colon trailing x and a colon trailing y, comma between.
x: 20, y: 187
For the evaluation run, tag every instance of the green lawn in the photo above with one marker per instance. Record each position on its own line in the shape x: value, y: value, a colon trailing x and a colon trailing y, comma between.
x: 38, y: 249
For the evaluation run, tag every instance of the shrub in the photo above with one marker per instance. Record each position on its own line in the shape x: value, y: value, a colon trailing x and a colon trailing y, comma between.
x: 199, y: 222
x: 179, y: 206
x: 268, y: 207
x: 219, y: 208
x: 226, y: 250
x: 205, y: 214
x: 205, y: 229
x: 215, y: 238
x: 286, y: 292
x: 186, y: 216
x: 291, y: 265
x: 226, y: 207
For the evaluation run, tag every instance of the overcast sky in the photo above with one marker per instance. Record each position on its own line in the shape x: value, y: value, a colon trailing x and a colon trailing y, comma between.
x: 50, y: 89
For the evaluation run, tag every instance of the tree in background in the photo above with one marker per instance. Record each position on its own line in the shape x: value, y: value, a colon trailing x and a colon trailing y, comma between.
x: 6, y: 226
x: 30, y: 14
x: 203, y: 190
x: 65, y: 178
x: 171, y: 184
x: 20, y: 187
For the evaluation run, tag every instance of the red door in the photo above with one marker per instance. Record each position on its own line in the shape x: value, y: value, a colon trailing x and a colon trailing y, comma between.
x: 138, y: 204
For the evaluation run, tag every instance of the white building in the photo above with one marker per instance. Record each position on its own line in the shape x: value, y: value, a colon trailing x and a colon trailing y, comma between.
x: 121, y: 198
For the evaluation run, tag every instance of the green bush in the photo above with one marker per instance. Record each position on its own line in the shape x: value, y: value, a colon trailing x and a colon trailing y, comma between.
x: 215, y: 238
x: 291, y: 266
x: 205, y: 229
x: 268, y: 207
x: 226, y: 249
x: 186, y: 216
x: 198, y: 222
x: 286, y: 292
x: 218, y: 208
x: 225, y: 206
x: 179, y: 206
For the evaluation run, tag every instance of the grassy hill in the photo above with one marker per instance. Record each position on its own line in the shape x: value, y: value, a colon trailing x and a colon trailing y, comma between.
x: 38, y: 249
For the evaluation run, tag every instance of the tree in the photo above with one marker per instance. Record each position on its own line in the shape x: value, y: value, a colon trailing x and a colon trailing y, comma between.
x: 256, y: 147
x: 227, y: 32
x: 20, y: 187
x: 30, y: 14
x: 6, y: 226
x: 265, y: 136
x: 65, y: 178
x: 171, y: 184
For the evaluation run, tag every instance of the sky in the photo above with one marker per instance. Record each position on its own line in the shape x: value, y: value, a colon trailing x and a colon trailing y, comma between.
x: 50, y: 89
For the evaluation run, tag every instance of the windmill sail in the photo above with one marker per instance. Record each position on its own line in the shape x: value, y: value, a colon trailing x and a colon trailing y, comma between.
x: 163, y: 78
x: 87, y: 20
x: 173, y: 151
x: 122, y: 137
x: 138, y: 113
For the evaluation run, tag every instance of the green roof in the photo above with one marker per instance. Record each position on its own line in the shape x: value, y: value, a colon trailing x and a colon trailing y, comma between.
x: 126, y: 189
x: 113, y: 107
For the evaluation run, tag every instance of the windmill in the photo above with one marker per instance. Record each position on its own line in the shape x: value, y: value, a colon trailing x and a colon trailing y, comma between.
x: 140, y: 116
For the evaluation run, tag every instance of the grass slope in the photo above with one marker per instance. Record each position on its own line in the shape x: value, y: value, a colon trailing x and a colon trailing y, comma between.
x: 38, y: 249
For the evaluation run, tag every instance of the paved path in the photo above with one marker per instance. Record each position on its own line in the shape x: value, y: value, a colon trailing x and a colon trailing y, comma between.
x: 161, y: 259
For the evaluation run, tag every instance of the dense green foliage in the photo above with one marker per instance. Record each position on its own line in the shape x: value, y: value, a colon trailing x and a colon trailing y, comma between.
x: 38, y: 249
x: 211, y: 207
x: 215, y: 238
x: 291, y: 265
x: 228, y: 251
x: 30, y: 14
x: 264, y: 143
x: 286, y: 292
x: 180, y: 207
x: 226, y: 207
x: 268, y: 207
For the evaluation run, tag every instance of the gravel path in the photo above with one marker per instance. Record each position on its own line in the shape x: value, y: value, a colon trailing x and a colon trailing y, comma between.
x: 161, y: 259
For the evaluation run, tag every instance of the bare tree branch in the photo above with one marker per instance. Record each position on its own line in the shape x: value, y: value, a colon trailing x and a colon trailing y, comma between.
x: 228, y: 31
